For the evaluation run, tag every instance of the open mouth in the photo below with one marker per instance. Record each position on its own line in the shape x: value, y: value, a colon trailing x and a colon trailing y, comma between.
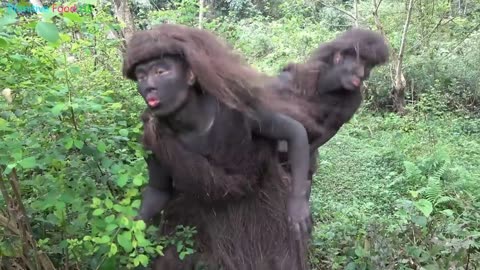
x: 153, y: 102
x: 356, y: 81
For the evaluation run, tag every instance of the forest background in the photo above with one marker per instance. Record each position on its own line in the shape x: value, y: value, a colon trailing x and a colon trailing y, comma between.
x: 397, y: 188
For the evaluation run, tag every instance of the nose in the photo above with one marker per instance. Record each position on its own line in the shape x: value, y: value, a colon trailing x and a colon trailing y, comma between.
x: 361, y: 72
x: 150, y: 85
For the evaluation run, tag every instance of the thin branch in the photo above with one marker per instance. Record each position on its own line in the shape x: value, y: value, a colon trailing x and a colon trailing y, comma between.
x: 339, y: 9
x: 431, y: 32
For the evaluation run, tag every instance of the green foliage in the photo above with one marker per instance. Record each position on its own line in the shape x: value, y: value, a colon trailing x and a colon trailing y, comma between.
x: 405, y: 196
x: 399, y: 199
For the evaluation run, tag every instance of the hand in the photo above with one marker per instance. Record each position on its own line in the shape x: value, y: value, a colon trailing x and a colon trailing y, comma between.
x: 299, y: 216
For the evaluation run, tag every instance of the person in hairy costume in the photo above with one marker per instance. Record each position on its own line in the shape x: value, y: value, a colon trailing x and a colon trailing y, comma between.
x: 213, y: 128
x: 327, y: 85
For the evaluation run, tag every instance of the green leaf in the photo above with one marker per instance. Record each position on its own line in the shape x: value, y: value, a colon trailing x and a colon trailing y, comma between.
x: 123, y: 132
x: 110, y: 227
x: 159, y: 250
x: 78, y: 144
x: 96, y: 202
x: 8, y: 19
x: 98, y: 212
x: 140, y: 225
x: 420, y: 220
x: 122, y: 180
x: 57, y: 109
x: 424, y: 206
x: 101, y: 147
x: 113, y: 250
x: 110, y: 219
x: 74, y: 69
x: 108, y: 203
x: 3, y: 42
x: 73, y: 16
x: 143, y: 259
x: 138, y: 180
x: 105, y: 239
x: 447, y: 212
x: 68, y: 143
x: 48, y: 31
x: 28, y: 163
x: 125, y: 241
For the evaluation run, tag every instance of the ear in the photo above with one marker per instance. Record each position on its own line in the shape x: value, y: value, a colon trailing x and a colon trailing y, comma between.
x: 190, y: 77
x: 337, y: 58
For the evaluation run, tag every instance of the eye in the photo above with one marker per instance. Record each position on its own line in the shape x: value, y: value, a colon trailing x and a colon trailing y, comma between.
x: 141, y: 77
x: 160, y: 71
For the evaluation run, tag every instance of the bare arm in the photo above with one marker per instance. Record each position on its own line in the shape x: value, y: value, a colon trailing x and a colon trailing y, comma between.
x: 157, y: 192
x: 281, y: 127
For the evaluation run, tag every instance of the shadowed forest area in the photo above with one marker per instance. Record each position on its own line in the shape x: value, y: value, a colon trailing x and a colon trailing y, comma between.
x: 398, y: 187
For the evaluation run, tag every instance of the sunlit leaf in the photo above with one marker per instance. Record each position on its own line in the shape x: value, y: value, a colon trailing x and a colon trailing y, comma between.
x: 57, y: 109
x: 98, y: 212
x: 424, y: 206
x: 125, y: 241
x: 48, y: 31
x: 28, y: 163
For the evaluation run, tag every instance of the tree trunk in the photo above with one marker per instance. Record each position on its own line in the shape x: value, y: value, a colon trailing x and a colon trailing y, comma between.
x: 200, y: 14
x: 398, y: 93
x: 125, y: 17
x: 355, y: 7
x: 398, y: 79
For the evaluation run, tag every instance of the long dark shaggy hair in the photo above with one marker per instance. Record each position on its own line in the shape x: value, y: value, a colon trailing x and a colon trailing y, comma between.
x: 366, y: 44
x: 219, y: 70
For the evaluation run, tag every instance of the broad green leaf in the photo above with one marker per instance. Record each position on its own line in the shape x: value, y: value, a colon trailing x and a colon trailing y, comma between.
x: 96, y: 202
x: 68, y: 143
x: 125, y: 222
x: 79, y: 144
x: 447, y: 212
x: 122, y: 180
x: 3, y: 42
x: 420, y: 220
x: 113, y: 249
x: 110, y: 219
x: 103, y: 240
x: 57, y: 109
x: 159, y: 250
x: 3, y: 124
x: 110, y: 227
x: 143, y: 259
x: 74, y: 69
x: 424, y: 206
x: 123, y: 132
x: 101, y: 147
x: 28, y: 163
x: 138, y: 180
x: 125, y: 241
x: 136, y: 204
x: 142, y: 242
x: 8, y: 19
x: 140, y: 225
x: 73, y: 16
x: 48, y: 31
x: 10, y: 168
x: 108, y: 203
x: 98, y: 212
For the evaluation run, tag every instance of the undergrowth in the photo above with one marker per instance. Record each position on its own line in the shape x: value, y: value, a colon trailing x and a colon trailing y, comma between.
x: 398, y: 193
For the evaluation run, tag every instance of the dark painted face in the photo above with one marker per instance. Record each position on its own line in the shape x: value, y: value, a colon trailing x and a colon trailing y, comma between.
x: 164, y: 84
x: 355, y: 70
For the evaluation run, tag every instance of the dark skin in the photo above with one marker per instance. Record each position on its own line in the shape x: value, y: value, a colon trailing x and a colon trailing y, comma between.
x: 340, y: 85
x: 168, y: 87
